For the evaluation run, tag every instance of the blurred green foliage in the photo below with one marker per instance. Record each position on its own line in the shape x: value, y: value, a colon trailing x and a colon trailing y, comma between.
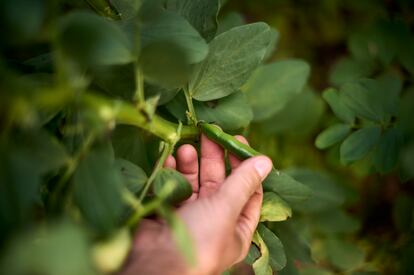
x: 325, y: 88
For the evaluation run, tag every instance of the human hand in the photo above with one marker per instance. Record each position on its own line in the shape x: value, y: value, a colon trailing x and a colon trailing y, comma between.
x: 221, y: 214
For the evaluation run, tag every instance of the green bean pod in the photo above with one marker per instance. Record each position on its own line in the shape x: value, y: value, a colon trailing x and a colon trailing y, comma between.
x: 227, y: 141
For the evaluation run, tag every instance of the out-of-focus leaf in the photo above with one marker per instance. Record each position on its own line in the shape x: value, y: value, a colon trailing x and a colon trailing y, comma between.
x: 273, y: 85
x: 202, y: 14
x: 127, y: 9
x: 180, y: 187
x: 133, y: 176
x: 390, y: 88
x: 273, y: 43
x: 359, y: 143
x: 326, y: 193
x: 164, y: 64
x: 129, y: 144
x: 165, y: 95
x: 115, y: 80
x: 274, y: 208
x: 21, y: 20
x: 343, y: 254
x: 304, y: 112
x: 180, y: 234
x: 104, y: 8
x: 261, y: 265
x: 338, y: 107
x: 332, y: 135
x: 277, y: 257
x: 407, y: 162
x: 229, y: 21
x: 97, y: 190
x: 92, y: 40
x: 252, y: 255
x: 167, y: 26
x: 403, y: 211
x: 348, y: 69
x: 63, y: 250
x: 232, y: 58
x: 315, y: 271
x: 286, y: 187
x: 334, y: 220
x: 111, y: 253
x: 366, y: 99
x: 387, y: 152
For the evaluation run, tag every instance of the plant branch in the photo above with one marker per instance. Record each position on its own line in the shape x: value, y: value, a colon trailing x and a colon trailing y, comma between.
x: 139, y: 96
x: 191, y: 114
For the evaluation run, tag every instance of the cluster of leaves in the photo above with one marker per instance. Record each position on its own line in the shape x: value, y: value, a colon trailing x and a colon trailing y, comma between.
x: 75, y: 86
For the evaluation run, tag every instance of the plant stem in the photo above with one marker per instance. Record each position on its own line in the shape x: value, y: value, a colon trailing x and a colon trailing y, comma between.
x: 165, y: 153
x: 191, y: 114
x: 139, y: 96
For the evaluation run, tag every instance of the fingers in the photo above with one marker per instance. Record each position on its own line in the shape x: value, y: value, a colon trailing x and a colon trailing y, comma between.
x: 242, y: 184
x: 248, y: 221
x: 234, y: 161
x: 170, y: 162
x: 212, y: 168
x: 187, y: 164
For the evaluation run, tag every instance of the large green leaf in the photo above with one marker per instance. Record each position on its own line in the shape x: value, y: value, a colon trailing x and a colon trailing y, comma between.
x: 91, y: 39
x: 230, y: 113
x: 232, y: 58
x: 167, y: 26
x: 359, y: 143
x: 286, y: 187
x: 202, y: 14
x: 332, y: 135
x: 97, y: 190
x: 274, y: 208
x: 337, y: 105
x: 387, y: 152
x: 61, y: 249
x: 271, y: 86
x: 277, y: 257
x: 348, y: 69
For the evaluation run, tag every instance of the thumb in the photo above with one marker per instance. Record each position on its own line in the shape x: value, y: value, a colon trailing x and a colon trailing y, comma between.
x: 242, y: 183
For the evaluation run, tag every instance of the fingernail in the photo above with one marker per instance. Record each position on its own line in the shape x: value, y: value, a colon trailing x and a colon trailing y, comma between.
x: 263, y: 167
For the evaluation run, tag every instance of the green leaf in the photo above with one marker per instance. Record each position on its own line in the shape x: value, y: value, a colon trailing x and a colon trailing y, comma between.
x: 315, y: 271
x: 179, y: 189
x: 365, y: 98
x: 332, y: 135
x: 286, y: 187
x: 277, y: 257
x: 115, y: 80
x: 273, y: 85
x: 252, y: 255
x: 61, y: 249
x: 165, y: 94
x: 133, y: 176
x: 165, y: 64
x: 337, y: 105
x: 92, y: 40
x: 304, y: 112
x: 387, y: 152
x: 274, y: 208
x: 180, y: 234
x: 261, y: 265
x: 359, y: 143
x: 232, y: 58
x: 334, y: 220
x: 129, y: 144
x: 229, y: 21
x: 167, y: 26
x: 389, y: 86
x: 230, y: 113
x: 127, y: 9
x: 97, y: 190
x: 326, y: 193
x: 343, y: 254
x: 348, y: 69
x: 202, y: 14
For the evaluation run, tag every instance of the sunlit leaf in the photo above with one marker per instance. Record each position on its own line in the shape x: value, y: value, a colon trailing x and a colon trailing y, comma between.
x: 274, y: 208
